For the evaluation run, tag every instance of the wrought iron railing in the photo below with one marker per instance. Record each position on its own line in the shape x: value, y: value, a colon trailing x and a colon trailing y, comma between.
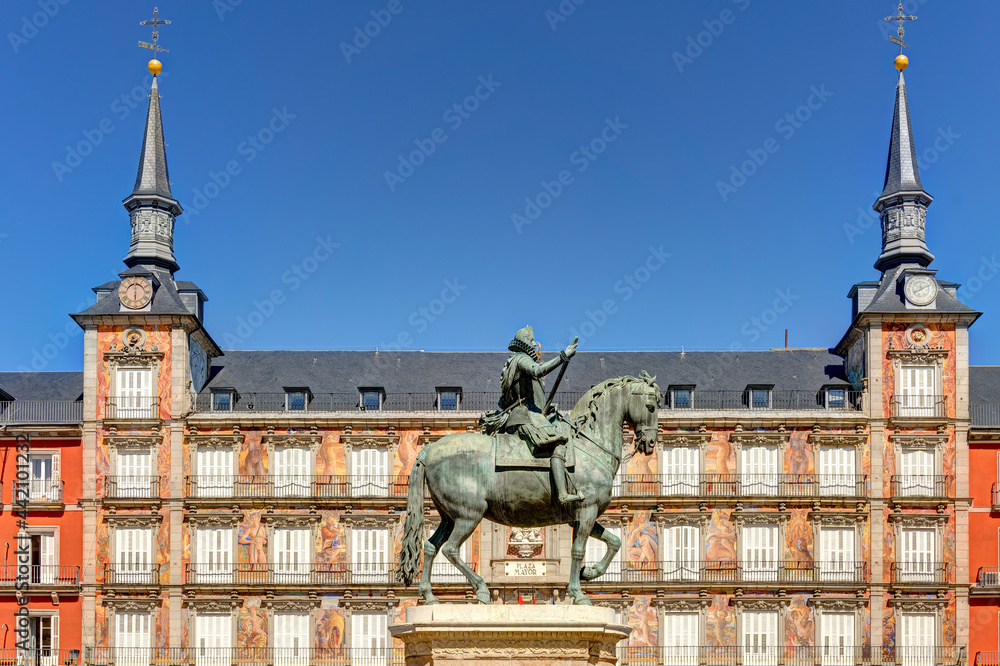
x: 203, y: 486
x: 734, y: 572
x: 916, y: 573
x: 39, y: 657
x: 920, y: 485
x: 48, y: 491
x: 984, y: 416
x: 131, y: 573
x: 790, y: 655
x: 306, y: 573
x: 988, y: 577
x: 987, y: 658
x: 735, y: 485
x: 920, y: 406
x: 768, y: 400
x: 131, y: 487
x: 24, y: 412
x: 244, y: 656
x: 132, y: 407
x: 39, y: 575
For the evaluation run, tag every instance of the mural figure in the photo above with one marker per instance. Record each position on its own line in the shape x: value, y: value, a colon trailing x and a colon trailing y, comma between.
x: 253, y: 627
x: 642, y: 618
x: 254, y: 536
x: 253, y: 463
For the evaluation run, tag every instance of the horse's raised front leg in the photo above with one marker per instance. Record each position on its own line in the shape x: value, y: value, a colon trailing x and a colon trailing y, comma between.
x: 431, y: 546
x: 586, y: 517
x: 613, y: 542
x: 463, y: 529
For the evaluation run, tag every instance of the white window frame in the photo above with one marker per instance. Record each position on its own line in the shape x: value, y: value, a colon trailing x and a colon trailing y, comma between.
x: 134, y: 572
x: 678, y: 650
x: 836, y: 655
x: 681, y: 481
x: 135, y: 402
x: 826, y: 570
x: 744, y: 520
x: 44, y: 655
x: 760, y: 653
x: 686, y: 567
x: 219, y: 572
x: 220, y: 392
x: 41, y: 489
x: 440, y: 398
x: 371, y: 389
x: 49, y: 545
x: 765, y: 482
x: 368, y: 654
x: 306, y: 398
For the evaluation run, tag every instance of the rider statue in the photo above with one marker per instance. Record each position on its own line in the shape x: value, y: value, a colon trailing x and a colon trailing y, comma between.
x: 523, y: 395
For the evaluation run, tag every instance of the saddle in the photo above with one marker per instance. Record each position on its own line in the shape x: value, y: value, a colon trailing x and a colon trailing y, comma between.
x: 511, y: 452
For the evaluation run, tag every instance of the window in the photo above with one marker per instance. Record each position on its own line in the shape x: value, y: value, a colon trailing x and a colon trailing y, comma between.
x: 596, y: 550
x: 42, y: 641
x: 222, y: 401
x: 760, y: 638
x: 44, y: 484
x: 837, y: 471
x: 681, y: 552
x: 449, y: 399
x: 760, y: 470
x: 132, y: 639
x: 291, y: 554
x: 915, y: 558
x: 214, y: 560
x: 837, y: 647
x: 917, y: 639
x: 371, y: 399
x: 370, y: 472
x: 681, y: 397
x: 135, y: 477
x: 370, y: 554
x: 133, y: 556
x: 760, y: 552
x: 916, y: 385
x: 135, y: 394
x: 370, y: 643
x: 681, y: 470
x: 296, y: 400
x: 836, y: 553
x: 681, y: 639
x: 291, y: 639
x: 759, y: 397
x: 444, y: 571
x: 43, y: 556
x: 292, y: 466
x: 213, y: 634
x: 836, y: 398
x: 214, y: 469
x: 917, y: 473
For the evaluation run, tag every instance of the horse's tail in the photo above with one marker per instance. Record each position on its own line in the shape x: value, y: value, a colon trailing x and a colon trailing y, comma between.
x: 413, y: 528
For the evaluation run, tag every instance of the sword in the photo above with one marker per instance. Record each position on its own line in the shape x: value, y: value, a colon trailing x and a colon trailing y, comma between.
x: 555, y: 386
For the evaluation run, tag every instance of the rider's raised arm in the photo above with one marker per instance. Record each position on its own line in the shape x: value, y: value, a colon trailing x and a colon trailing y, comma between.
x: 540, y: 369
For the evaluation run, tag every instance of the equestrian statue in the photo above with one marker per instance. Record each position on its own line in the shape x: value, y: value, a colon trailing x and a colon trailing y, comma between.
x: 516, y: 471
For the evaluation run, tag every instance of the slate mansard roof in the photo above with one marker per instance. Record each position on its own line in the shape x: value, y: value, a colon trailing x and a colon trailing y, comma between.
x: 47, y: 386
x: 424, y: 372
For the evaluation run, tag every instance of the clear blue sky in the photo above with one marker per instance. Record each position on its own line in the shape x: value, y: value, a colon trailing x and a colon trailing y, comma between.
x: 345, y: 116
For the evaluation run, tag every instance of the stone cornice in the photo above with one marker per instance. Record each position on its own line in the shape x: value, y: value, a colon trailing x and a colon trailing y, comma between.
x: 133, y: 441
x: 133, y: 519
x: 215, y: 519
x: 215, y: 439
x: 838, y: 439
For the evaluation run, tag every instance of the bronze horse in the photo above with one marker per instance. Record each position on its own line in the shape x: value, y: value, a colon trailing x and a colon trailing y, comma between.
x: 466, y: 487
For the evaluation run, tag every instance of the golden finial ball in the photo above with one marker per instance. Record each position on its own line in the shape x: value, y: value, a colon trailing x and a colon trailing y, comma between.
x: 155, y: 66
x: 901, y: 62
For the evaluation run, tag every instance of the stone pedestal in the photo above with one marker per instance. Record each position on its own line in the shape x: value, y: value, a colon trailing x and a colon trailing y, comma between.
x: 466, y: 634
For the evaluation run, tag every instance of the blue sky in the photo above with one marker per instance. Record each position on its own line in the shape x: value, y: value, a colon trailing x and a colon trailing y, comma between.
x: 586, y: 147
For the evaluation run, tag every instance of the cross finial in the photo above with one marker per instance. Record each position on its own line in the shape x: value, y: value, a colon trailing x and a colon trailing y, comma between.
x: 156, y: 22
x: 899, y: 19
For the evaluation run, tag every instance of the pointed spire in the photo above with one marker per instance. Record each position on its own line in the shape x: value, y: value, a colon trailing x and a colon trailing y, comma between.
x: 151, y: 206
x: 902, y: 206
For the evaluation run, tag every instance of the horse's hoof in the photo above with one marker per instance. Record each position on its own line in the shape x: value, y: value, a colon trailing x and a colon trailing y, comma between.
x: 484, y: 597
x: 588, y: 573
x: 431, y: 601
x: 582, y: 600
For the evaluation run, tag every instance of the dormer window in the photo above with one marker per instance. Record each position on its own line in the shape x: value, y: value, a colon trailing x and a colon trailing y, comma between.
x: 449, y: 399
x: 370, y: 399
x: 758, y: 397
x: 681, y: 397
x: 223, y: 399
x: 836, y: 397
x: 296, y: 399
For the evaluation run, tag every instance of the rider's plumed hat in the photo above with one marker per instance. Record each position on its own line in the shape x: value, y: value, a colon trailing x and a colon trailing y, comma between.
x: 524, y: 341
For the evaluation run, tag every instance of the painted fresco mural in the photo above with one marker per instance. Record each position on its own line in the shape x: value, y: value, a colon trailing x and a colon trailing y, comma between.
x: 893, y: 336
x: 642, y: 541
x: 799, y: 623
x: 720, y: 622
x: 330, y: 626
x: 155, y: 335
x: 642, y: 619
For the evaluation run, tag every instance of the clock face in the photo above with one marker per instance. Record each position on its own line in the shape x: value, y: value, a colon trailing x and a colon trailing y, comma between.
x: 135, y: 292
x: 920, y: 289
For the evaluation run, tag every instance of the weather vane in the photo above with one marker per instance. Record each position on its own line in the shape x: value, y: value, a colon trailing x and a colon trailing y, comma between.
x: 154, y: 65
x: 899, y: 19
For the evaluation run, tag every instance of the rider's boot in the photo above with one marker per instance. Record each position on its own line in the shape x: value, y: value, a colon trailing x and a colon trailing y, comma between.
x: 558, y: 464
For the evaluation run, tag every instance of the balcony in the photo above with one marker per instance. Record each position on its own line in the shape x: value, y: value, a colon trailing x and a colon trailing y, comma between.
x: 769, y: 400
x: 304, y: 574
x: 352, y: 402
x: 917, y: 485
x: 987, y: 659
x: 985, y: 416
x: 920, y: 573
x: 129, y: 573
x: 988, y: 577
x: 132, y: 408
x: 995, y: 498
x: 728, y: 572
x: 42, y: 412
x: 39, y: 657
x: 39, y: 576
x: 742, y: 485
x: 292, y: 487
x: 244, y: 656
x: 131, y: 487
x: 920, y: 407
x: 38, y: 494
x: 781, y: 655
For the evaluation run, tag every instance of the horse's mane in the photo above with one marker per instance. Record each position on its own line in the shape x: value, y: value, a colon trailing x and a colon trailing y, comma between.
x: 590, y: 399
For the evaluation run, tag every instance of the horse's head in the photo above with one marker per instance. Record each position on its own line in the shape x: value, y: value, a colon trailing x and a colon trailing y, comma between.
x: 641, y: 412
